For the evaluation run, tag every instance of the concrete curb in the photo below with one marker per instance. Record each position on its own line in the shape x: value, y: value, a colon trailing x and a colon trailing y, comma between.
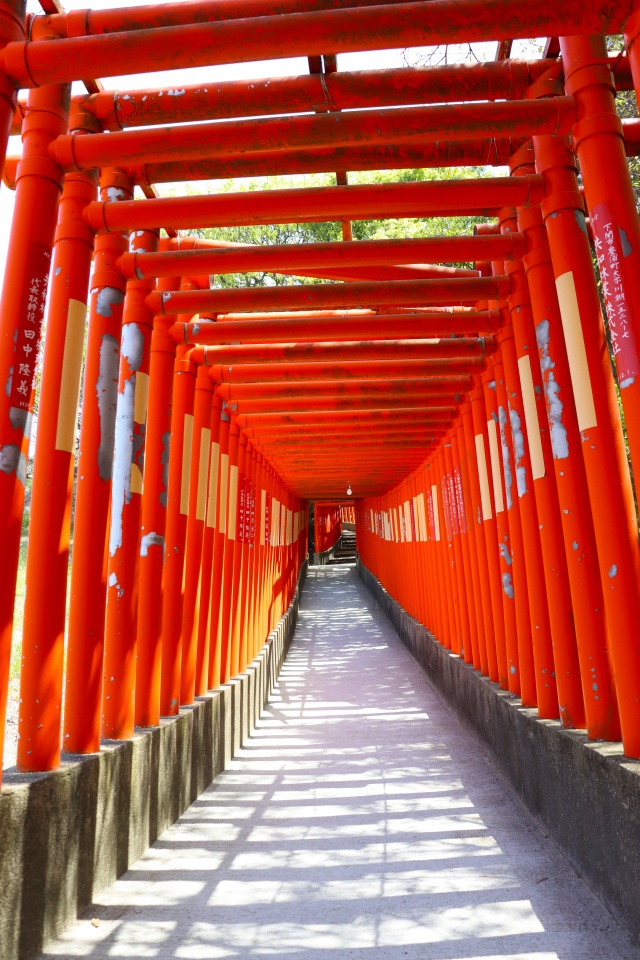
x: 321, y: 559
x: 586, y: 794
x: 67, y: 835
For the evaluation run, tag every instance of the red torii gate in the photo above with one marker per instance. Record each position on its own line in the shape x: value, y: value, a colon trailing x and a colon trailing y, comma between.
x: 473, y: 412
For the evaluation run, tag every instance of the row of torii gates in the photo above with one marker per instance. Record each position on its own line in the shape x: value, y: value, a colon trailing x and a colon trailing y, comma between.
x: 475, y: 413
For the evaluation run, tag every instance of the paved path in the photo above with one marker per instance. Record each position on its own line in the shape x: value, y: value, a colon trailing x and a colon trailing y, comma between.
x: 360, y: 821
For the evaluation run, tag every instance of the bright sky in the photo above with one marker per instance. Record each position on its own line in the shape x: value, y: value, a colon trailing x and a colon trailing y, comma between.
x: 291, y: 67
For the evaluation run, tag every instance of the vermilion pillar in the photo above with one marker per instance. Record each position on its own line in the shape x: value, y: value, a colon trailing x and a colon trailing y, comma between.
x: 599, y: 143
x: 486, y: 636
x: 443, y: 621
x: 534, y: 640
x: 470, y: 556
x: 255, y: 640
x: 207, y: 567
x: 602, y: 442
x: 177, y: 510
x: 153, y: 521
x: 93, y: 484
x: 496, y: 653
x: 244, y: 594
x: 562, y: 499
x: 48, y: 555
x: 514, y: 556
x: 12, y: 15
x: 198, y: 489
x: 39, y: 181
x: 563, y: 515
x: 216, y: 676
x: 458, y: 567
x: 453, y: 640
x: 118, y: 690
x: 230, y: 461
x: 50, y: 517
x: 238, y: 552
x: 503, y: 542
x: 555, y: 649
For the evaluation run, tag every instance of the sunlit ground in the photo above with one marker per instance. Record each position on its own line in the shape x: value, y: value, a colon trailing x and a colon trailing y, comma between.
x: 360, y: 820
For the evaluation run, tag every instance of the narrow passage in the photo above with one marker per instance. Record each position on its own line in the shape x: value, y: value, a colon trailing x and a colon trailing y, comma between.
x: 361, y: 820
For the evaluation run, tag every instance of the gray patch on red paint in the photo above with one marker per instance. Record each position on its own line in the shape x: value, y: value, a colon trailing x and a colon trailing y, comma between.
x: 581, y: 221
x: 132, y: 345
x: 555, y: 406
x: 122, y: 460
x: 625, y: 243
x: 107, y: 298
x: 12, y: 460
x: 506, y: 457
x: 504, y: 553
x: 518, y: 451
x: 21, y: 420
x: 151, y: 540
x: 507, y: 585
x: 107, y: 395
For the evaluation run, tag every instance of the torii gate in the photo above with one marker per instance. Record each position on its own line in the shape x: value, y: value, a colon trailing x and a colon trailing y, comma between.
x: 473, y: 411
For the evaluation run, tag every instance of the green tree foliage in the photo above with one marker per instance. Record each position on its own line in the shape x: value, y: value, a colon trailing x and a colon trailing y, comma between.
x: 269, y: 234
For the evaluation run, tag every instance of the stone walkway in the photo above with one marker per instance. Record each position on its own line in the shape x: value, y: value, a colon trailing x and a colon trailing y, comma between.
x: 360, y: 821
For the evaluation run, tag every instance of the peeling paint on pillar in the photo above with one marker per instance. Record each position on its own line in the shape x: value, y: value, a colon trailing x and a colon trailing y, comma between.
x: 108, y: 297
x: 506, y: 457
x: 518, y: 451
x: 132, y: 347
x: 123, y: 448
x: 555, y: 406
x: 151, y: 540
x: 12, y: 460
x: 507, y: 585
x: 107, y: 394
x: 113, y: 582
x: 504, y: 553
x: 21, y: 420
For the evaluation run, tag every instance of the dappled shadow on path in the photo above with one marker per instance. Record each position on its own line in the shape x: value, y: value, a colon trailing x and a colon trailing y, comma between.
x: 360, y: 820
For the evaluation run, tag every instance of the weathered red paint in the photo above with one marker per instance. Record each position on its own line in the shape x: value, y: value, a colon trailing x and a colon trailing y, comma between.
x: 303, y: 34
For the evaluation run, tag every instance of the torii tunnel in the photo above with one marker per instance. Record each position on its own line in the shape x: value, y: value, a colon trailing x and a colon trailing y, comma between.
x: 471, y: 400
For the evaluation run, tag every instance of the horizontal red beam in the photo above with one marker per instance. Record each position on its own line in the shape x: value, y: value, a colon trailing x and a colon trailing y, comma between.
x: 360, y: 402
x: 357, y: 370
x: 316, y: 93
x: 379, y: 327
x: 155, y: 15
x: 33, y: 64
x: 494, y: 151
x: 328, y: 353
x: 285, y: 258
x: 417, y: 432
x: 318, y: 204
x: 307, y: 444
x: 319, y: 296
x: 555, y: 115
x: 426, y: 415
x: 489, y: 152
x: 344, y: 388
